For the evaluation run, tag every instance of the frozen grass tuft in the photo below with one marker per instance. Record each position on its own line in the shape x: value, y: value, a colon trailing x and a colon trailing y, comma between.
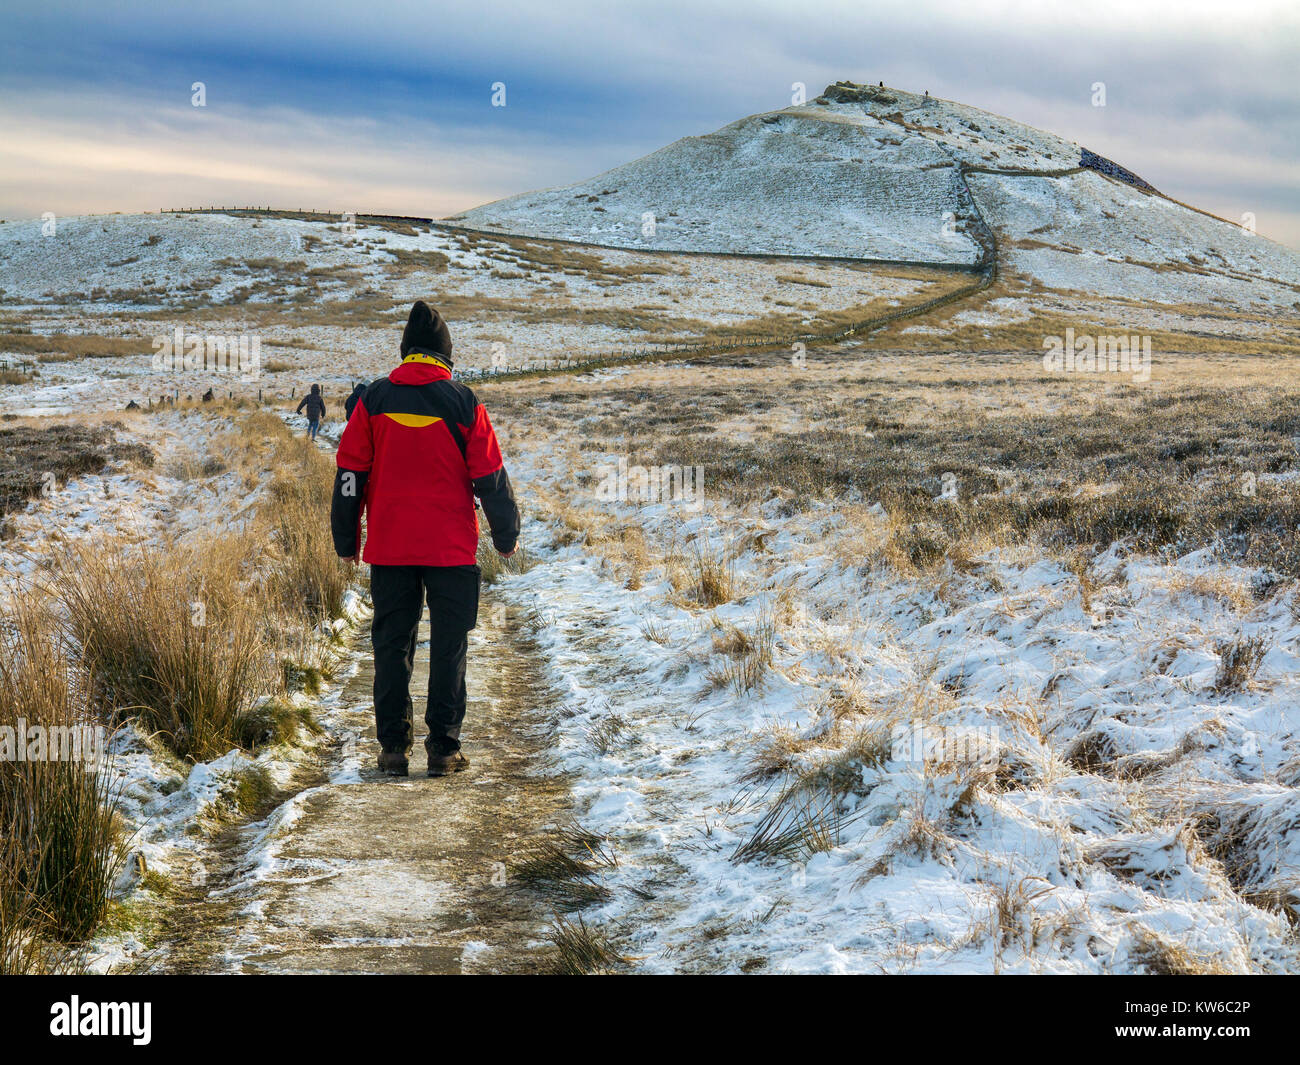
x: 60, y: 849
x: 493, y: 567
x: 747, y: 656
x: 1159, y: 955
x: 169, y: 637
x: 805, y: 820
x: 1239, y: 661
x: 582, y: 949
x: 712, y: 576
x: 566, y: 865
x: 307, y: 575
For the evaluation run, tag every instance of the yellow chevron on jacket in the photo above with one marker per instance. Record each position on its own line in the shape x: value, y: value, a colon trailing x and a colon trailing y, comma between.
x: 413, y: 421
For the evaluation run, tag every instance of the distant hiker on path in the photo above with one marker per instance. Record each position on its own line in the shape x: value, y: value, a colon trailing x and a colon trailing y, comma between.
x: 350, y: 404
x: 315, y: 410
x: 417, y: 450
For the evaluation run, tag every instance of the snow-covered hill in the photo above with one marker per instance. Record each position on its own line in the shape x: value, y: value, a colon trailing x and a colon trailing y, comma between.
x: 805, y: 181
x: 875, y: 172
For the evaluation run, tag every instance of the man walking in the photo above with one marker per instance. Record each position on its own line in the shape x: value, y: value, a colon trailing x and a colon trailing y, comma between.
x: 417, y: 450
x: 315, y: 410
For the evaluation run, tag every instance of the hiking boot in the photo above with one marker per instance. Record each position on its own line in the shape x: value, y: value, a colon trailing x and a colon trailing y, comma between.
x: 450, y: 762
x: 393, y: 763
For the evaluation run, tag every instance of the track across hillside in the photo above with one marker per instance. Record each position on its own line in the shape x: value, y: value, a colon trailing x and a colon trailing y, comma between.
x: 985, y: 268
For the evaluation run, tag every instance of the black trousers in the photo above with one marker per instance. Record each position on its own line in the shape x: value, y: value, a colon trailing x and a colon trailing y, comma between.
x: 399, y: 593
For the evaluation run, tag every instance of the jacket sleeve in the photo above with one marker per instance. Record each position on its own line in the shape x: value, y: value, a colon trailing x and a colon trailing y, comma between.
x: 491, y: 483
x: 355, y: 455
x: 301, y: 403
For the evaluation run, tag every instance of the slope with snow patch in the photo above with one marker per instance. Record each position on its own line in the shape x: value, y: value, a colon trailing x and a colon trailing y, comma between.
x: 806, y: 181
x: 1087, y: 232
x: 877, y: 173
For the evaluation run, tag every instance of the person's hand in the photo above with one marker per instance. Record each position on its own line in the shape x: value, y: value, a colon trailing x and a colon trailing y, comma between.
x: 509, y: 554
x: 351, y: 560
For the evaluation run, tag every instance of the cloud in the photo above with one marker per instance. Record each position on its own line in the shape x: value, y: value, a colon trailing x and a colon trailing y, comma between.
x: 279, y: 156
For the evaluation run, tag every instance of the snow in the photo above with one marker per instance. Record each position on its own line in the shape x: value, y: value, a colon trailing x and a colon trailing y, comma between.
x: 791, y: 182
x: 1100, y: 234
x: 508, y: 312
x: 1096, y: 863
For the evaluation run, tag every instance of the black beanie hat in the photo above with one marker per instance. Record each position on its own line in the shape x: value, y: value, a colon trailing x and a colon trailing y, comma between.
x: 425, y: 329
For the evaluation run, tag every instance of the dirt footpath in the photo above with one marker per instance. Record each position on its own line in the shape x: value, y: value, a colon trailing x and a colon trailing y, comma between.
x: 363, y: 873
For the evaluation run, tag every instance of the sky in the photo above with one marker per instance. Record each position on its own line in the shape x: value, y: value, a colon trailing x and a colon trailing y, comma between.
x: 386, y: 106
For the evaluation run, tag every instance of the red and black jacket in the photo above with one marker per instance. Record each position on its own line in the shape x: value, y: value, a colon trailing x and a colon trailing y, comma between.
x: 417, y: 449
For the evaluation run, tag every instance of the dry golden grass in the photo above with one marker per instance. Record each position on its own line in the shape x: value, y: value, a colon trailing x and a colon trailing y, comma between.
x: 1231, y: 593
x: 1160, y: 955
x: 632, y: 554
x: 492, y: 566
x: 174, y: 637
x: 415, y: 261
x: 1030, y: 458
x: 581, y: 949
x: 185, y: 638
x: 59, y: 847
x: 306, y: 574
x: 746, y: 656
x: 1239, y: 660
x: 55, y: 347
x: 704, y: 575
x: 796, y: 279
x: 777, y: 751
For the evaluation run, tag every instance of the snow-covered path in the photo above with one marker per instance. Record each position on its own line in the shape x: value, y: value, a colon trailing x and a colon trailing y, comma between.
x: 363, y: 873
